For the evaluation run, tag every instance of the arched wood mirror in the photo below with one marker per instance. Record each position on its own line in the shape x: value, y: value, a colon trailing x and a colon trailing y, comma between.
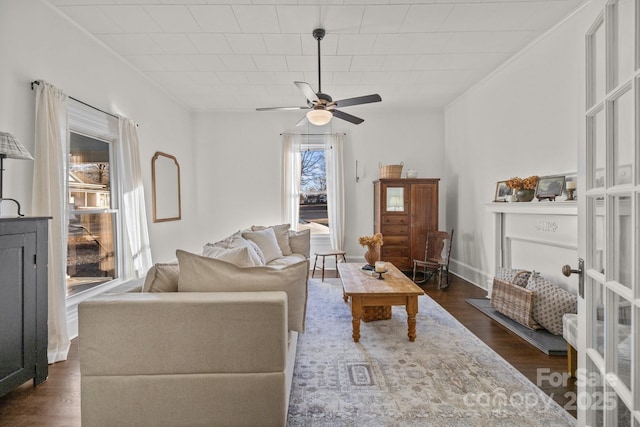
x: 165, y: 180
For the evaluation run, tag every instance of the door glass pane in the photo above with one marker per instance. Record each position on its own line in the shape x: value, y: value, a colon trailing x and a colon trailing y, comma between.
x: 623, y: 15
x: 621, y: 228
x: 622, y: 339
x: 597, y: 147
x: 395, y: 199
x: 596, y: 207
x: 622, y: 414
x: 623, y: 138
x: 598, y: 318
x: 597, y: 65
x: 594, y: 389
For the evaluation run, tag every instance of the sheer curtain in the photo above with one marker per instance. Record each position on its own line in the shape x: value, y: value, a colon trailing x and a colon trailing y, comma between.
x: 133, y: 209
x: 335, y: 189
x: 49, y: 196
x: 291, y: 180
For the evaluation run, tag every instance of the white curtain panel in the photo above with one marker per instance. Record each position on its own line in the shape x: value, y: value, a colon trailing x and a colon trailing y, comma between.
x: 291, y: 180
x: 49, y: 195
x: 136, y: 232
x: 335, y: 189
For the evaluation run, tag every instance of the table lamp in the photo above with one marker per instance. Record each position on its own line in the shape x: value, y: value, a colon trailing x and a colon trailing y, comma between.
x: 10, y: 148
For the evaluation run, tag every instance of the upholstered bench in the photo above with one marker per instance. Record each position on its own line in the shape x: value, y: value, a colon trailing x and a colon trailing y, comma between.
x: 570, y: 334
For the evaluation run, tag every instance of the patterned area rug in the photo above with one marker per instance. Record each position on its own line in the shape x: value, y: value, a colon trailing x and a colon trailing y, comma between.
x: 447, y: 377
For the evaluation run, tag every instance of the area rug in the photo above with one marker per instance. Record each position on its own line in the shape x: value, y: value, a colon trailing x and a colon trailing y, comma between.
x: 552, y: 345
x: 447, y: 377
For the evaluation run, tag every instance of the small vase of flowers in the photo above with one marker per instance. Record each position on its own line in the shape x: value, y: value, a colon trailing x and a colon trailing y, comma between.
x: 524, y: 188
x: 373, y: 244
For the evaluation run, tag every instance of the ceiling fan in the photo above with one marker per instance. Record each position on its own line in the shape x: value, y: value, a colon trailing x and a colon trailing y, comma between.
x: 320, y: 105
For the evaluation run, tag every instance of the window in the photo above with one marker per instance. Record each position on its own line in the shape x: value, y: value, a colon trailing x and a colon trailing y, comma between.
x: 313, y: 190
x: 91, y: 201
x: 314, y: 198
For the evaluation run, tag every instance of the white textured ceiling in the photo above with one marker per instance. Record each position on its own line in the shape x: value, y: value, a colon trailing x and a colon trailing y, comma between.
x: 238, y: 55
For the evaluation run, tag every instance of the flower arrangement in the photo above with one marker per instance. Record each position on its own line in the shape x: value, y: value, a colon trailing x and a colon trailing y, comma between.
x: 371, y: 241
x: 528, y: 183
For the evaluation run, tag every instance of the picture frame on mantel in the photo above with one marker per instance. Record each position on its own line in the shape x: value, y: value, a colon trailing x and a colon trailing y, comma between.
x: 550, y: 187
x: 502, y: 192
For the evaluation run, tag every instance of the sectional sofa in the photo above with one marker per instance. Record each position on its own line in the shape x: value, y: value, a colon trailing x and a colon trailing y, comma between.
x: 211, y: 339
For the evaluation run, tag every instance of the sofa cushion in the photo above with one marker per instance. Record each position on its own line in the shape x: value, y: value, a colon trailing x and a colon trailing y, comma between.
x: 300, y: 241
x: 282, y: 236
x: 550, y: 303
x: 266, y: 241
x: 202, y: 274
x: 162, y: 277
x: 243, y: 256
x: 287, y: 260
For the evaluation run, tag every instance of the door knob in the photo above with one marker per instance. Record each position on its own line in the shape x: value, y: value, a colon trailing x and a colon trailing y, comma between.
x: 568, y: 271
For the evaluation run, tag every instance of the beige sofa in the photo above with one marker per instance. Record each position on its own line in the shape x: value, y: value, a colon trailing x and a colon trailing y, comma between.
x: 217, y: 351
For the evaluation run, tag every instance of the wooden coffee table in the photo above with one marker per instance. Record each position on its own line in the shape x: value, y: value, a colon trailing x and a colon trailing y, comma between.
x: 366, y: 290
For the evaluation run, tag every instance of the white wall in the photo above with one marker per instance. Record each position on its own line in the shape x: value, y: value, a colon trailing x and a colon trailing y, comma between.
x: 37, y: 43
x: 522, y: 120
x: 238, y: 159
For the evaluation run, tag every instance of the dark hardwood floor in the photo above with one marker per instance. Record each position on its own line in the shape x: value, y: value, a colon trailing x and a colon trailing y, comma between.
x: 56, y: 402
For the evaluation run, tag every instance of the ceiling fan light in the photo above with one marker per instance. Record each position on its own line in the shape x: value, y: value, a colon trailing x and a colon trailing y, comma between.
x: 319, y: 117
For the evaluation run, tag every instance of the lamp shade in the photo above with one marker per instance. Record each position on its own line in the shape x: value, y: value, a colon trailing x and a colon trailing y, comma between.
x: 10, y: 148
x: 319, y: 117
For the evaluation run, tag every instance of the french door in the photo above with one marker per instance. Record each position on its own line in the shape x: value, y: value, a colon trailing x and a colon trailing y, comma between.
x: 609, y: 230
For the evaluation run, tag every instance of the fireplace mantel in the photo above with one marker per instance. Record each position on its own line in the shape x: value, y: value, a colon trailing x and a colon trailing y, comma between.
x: 536, y: 208
x: 540, y: 236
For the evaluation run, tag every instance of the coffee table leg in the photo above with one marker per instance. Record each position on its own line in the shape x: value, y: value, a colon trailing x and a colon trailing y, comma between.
x: 412, y: 310
x: 356, y: 314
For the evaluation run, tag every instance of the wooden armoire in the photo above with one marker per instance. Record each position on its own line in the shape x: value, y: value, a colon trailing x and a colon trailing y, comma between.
x: 404, y: 210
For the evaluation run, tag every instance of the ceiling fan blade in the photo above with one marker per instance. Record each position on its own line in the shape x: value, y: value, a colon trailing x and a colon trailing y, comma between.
x: 348, y: 117
x: 307, y: 91
x: 358, y: 100
x: 281, y: 108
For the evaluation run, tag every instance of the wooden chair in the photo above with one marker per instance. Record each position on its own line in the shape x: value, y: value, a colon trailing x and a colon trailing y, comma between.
x: 436, y: 257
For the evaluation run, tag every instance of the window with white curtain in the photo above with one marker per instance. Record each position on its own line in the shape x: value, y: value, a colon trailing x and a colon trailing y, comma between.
x: 92, y: 200
x: 313, y: 186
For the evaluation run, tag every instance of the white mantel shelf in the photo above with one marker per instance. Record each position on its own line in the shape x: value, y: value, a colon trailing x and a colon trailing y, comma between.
x: 534, y: 207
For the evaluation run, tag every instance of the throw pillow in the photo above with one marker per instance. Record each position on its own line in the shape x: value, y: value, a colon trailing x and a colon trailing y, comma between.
x: 226, y: 242
x: 550, y: 303
x: 237, y: 241
x: 257, y: 250
x: 240, y: 256
x: 517, y: 276
x: 201, y: 274
x: 300, y: 242
x: 266, y: 241
x: 282, y: 236
x: 162, y: 278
